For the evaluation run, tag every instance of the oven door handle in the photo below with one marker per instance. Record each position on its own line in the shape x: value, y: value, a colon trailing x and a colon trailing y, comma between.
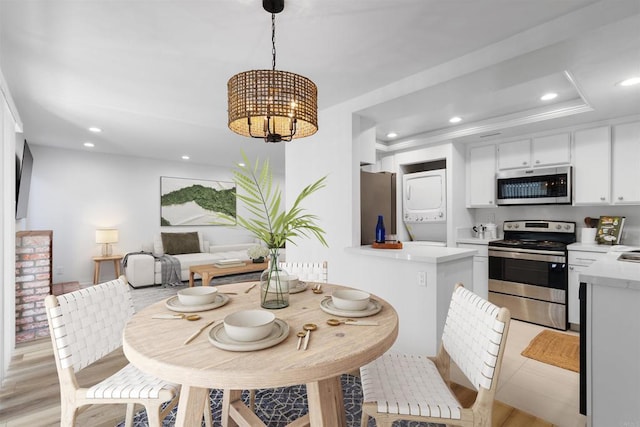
x: 526, y: 256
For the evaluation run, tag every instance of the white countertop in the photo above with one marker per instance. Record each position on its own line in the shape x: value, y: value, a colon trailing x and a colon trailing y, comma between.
x: 474, y: 240
x: 429, y: 254
x: 611, y: 272
x: 589, y: 247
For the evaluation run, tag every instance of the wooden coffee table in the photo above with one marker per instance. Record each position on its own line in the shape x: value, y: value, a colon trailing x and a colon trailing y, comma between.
x: 209, y: 271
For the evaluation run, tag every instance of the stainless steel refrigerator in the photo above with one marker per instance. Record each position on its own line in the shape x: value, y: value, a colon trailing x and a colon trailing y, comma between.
x: 377, y: 197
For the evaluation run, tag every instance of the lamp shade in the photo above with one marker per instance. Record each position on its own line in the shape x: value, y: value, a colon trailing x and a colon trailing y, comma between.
x: 289, y: 101
x: 106, y: 235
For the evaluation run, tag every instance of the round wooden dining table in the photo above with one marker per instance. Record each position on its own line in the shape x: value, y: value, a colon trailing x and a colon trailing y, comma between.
x: 156, y: 346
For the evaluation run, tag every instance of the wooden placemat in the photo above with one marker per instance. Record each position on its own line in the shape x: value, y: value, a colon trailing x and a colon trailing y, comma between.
x: 555, y: 348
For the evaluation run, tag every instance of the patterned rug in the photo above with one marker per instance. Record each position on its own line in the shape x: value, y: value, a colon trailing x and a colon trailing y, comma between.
x: 276, y: 407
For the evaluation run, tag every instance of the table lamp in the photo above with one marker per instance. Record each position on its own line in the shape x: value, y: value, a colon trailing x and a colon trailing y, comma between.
x: 106, y: 237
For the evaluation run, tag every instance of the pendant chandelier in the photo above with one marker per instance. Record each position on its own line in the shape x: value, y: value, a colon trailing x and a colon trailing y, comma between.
x: 271, y: 104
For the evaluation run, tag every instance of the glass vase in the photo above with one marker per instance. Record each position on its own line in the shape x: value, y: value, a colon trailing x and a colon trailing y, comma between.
x: 274, y: 284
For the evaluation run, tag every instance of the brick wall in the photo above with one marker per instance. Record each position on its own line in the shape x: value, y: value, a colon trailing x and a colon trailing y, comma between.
x: 34, y: 265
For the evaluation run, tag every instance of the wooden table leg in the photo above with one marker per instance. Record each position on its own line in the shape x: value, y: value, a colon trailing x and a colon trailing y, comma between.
x: 96, y: 272
x: 206, y: 279
x: 326, y: 404
x: 191, y: 273
x: 191, y: 406
x: 116, y: 267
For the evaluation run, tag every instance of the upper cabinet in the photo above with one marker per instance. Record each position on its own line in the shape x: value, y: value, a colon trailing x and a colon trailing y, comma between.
x: 481, y: 177
x: 530, y: 153
x: 605, y: 160
x: 625, y: 150
x: 514, y: 155
x: 592, y: 166
x: 551, y: 150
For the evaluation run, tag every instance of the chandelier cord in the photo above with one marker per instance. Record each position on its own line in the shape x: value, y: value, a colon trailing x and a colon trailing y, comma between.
x: 273, y: 40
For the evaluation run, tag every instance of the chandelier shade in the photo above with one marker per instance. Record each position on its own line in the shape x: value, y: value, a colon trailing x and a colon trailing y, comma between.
x: 272, y: 104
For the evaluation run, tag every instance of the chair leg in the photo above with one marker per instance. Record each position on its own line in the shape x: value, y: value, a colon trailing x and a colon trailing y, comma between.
x: 364, y: 421
x: 128, y: 418
x: 153, y: 415
x: 67, y: 414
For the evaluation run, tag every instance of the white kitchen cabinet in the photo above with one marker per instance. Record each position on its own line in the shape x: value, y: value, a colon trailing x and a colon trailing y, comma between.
x: 625, y: 152
x: 551, y: 150
x: 541, y: 151
x: 480, y: 268
x: 579, y: 261
x: 592, y: 166
x: 481, y: 177
x: 514, y: 154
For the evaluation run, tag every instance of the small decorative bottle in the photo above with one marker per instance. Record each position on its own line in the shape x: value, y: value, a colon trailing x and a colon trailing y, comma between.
x: 380, y: 230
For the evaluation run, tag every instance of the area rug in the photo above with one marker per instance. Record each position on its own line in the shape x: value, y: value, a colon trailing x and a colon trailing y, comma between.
x: 555, y: 348
x: 280, y: 406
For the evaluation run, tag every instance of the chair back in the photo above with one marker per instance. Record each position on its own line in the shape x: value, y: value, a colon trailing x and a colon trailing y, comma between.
x: 87, y: 324
x: 474, y: 336
x: 307, y: 271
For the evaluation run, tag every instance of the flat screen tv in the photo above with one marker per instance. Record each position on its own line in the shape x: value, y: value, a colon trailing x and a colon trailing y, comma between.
x: 23, y: 182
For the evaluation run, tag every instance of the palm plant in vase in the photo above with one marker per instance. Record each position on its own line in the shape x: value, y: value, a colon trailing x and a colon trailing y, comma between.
x: 272, y: 224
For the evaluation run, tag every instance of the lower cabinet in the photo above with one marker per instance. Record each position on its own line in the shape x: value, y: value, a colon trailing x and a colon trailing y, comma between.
x: 579, y: 261
x: 480, y: 268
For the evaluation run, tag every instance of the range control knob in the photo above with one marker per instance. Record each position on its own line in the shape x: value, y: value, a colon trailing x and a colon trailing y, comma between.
x: 508, y: 225
x: 516, y: 226
x: 567, y: 227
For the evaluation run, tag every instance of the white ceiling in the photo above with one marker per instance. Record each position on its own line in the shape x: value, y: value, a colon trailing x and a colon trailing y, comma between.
x: 152, y: 73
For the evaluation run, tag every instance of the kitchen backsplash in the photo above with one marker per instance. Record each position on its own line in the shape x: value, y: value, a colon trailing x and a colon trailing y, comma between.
x: 577, y: 214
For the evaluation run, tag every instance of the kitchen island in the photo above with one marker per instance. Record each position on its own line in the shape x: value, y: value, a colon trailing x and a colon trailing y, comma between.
x: 418, y: 281
x: 613, y: 342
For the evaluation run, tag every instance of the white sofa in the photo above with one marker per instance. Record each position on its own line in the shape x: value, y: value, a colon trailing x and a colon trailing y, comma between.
x: 144, y: 270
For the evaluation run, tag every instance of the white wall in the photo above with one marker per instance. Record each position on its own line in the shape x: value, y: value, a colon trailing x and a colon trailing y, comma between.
x: 9, y: 125
x: 73, y: 192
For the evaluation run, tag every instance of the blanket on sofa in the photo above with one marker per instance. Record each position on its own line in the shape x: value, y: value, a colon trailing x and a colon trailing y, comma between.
x: 170, y: 270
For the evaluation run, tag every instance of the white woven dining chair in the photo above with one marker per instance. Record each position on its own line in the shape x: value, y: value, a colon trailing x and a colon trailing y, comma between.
x: 307, y: 271
x: 417, y: 388
x: 85, y: 326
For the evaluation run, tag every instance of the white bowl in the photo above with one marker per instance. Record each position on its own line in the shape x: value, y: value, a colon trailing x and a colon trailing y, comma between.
x: 293, y: 281
x: 249, y: 325
x: 350, y: 299
x: 198, y: 296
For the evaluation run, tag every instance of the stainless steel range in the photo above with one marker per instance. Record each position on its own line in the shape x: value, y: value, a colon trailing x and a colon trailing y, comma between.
x: 528, y: 271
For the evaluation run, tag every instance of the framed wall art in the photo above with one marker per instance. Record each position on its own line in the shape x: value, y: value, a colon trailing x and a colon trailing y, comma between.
x: 185, y: 201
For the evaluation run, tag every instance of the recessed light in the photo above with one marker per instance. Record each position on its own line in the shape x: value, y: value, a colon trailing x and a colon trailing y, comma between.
x: 95, y: 129
x: 630, y: 81
x: 392, y: 135
x: 548, y: 96
x: 185, y: 157
x: 89, y: 144
x: 455, y: 119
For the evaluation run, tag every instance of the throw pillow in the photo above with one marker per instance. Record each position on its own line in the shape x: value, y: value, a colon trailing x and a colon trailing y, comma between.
x: 180, y: 243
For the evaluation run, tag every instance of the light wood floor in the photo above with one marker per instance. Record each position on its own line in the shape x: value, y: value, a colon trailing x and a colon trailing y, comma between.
x: 30, y: 395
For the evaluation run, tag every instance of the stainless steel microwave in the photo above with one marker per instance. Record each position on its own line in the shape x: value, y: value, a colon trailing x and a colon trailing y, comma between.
x: 545, y: 186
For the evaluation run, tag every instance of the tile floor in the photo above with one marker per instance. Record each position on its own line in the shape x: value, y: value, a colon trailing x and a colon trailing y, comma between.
x: 546, y: 391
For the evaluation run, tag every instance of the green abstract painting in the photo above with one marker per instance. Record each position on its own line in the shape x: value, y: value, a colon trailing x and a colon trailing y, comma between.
x: 185, y: 201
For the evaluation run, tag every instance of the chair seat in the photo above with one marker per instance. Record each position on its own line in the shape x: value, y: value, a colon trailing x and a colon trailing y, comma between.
x: 131, y: 383
x: 408, y: 385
